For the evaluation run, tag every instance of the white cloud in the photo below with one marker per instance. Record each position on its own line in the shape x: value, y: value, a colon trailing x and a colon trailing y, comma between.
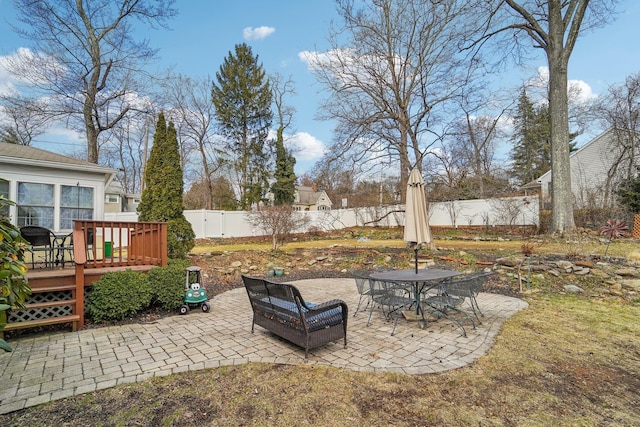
x: 258, y: 33
x: 27, y: 69
x: 64, y: 134
x: 305, y: 146
x: 579, y: 91
x: 334, y: 59
x: 7, y: 85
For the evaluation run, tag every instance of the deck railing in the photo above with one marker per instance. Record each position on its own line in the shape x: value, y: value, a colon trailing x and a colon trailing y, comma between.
x: 107, y: 244
x: 99, y: 244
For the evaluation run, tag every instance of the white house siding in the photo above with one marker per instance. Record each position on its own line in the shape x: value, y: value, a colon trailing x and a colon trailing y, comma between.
x: 589, y: 168
x: 19, y: 163
x: 57, y: 177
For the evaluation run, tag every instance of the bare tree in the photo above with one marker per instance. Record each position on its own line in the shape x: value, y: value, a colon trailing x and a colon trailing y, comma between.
x: 619, y: 110
x: 281, y: 88
x: 25, y: 118
x: 399, y: 63
x: 85, y: 59
x: 191, y: 102
x: 475, y: 139
x: 278, y: 222
x: 125, y: 147
x: 554, y: 27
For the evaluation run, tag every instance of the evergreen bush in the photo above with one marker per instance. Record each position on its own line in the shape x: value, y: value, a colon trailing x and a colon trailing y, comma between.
x: 119, y: 294
x: 167, y: 284
x: 14, y: 289
x: 180, y: 237
x: 161, y: 199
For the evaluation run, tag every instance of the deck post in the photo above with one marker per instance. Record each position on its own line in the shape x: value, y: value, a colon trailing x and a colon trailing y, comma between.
x: 80, y: 258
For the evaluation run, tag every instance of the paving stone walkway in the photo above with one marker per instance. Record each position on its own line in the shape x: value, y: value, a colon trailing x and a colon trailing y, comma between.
x: 64, y: 364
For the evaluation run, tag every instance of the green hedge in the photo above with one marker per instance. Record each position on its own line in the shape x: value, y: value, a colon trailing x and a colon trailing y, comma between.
x: 167, y: 284
x: 118, y: 295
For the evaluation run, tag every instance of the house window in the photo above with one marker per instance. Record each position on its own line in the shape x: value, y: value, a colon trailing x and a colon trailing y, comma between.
x: 4, y: 191
x: 323, y: 208
x: 111, y: 198
x: 35, y: 204
x: 75, y: 203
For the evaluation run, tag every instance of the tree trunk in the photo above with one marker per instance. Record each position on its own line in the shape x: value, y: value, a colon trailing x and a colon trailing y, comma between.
x: 92, y: 138
x: 562, y: 197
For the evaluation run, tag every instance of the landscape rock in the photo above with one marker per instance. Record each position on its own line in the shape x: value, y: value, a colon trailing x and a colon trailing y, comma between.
x: 616, y: 292
x: 599, y: 273
x: 627, y: 272
x: 587, y: 264
x: 565, y: 265
x: 508, y: 262
x: 633, y: 284
x: 573, y: 289
x: 236, y: 264
x: 616, y: 286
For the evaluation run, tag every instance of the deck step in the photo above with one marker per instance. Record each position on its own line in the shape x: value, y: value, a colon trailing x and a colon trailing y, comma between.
x: 37, y: 305
x: 53, y: 288
x: 72, y: 318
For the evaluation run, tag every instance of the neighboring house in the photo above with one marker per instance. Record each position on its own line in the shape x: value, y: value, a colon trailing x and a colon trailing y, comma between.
x: 51, y: 190
x: 309, y: 199
x: 596, y: 170
x: 116, y: 200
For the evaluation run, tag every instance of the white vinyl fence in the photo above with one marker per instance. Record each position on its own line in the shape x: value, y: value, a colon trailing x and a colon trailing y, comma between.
x: 509, y: 211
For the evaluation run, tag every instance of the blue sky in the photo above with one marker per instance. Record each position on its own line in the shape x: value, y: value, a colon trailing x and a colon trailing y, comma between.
x: 279, y: 30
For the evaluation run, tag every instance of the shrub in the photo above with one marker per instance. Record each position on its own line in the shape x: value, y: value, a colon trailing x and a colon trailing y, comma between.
x: 13, y: 273
x: 167, y: 284
x: 180, y: 238
x: 118, y: 295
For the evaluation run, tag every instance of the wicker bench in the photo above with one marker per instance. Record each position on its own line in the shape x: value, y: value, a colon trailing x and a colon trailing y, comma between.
x: 280, y: 308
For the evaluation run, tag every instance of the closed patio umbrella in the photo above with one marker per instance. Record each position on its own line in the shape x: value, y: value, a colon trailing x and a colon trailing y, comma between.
x: 416, y: 223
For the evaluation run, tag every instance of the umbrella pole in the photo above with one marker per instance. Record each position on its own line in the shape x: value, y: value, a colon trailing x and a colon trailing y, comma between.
x: 415, y: 257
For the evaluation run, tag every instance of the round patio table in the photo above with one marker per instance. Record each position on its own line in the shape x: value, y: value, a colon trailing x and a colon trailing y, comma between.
x: 421, y: 280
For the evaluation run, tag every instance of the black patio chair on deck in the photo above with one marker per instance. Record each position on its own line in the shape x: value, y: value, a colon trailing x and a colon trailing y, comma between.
x: 41, y: 240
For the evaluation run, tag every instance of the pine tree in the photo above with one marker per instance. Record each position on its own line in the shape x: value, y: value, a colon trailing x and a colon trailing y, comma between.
x: 284, y: 187
x: 242, y: 100
x: 161, y: 199
x: 628, y: 193
x: 531, y: 153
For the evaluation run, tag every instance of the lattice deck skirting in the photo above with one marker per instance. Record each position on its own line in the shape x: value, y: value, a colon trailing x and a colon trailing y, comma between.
x: 43, y: 311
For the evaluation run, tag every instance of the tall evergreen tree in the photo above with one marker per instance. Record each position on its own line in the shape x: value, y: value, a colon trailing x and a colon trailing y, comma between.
x: 531, y: 153
x: 284, y: 187
x: 242, y: 100
x: 161, y: 199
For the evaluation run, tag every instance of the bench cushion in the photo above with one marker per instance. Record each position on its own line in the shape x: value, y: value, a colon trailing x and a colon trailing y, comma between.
x: 287, y: 312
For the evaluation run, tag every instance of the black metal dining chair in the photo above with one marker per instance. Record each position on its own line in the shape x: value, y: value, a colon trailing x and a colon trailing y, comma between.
x: 64, y: 249
x: 41, y: 240
x: 393, y: 298
x: 468, y: 287
x: 365, y: 290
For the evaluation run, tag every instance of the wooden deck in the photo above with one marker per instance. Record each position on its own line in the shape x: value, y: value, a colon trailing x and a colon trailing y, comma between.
x: 58, y: 294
